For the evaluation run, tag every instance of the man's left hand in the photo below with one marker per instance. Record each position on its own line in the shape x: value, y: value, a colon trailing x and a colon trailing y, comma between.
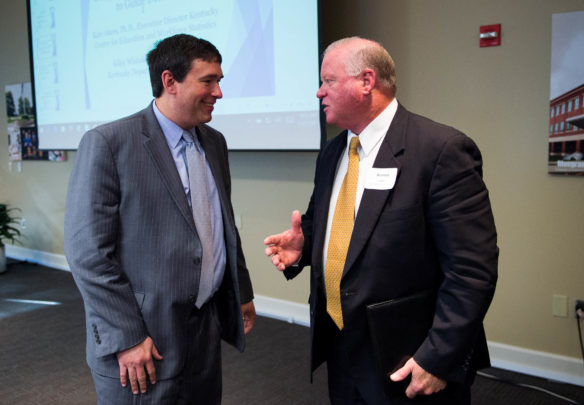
x: 423, y: 383
x: 249, y: 314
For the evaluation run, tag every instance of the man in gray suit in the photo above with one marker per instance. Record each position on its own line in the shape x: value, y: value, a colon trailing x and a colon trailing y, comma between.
x: 161, y: 286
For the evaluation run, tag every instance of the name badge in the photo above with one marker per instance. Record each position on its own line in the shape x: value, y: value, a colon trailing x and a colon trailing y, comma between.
x: 381, y: 178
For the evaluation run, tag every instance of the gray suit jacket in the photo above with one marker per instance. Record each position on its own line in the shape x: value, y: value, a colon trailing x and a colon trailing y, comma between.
x: 132, y: 245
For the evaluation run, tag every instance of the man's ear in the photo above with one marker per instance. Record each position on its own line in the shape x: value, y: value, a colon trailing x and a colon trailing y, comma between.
x: 168, y: 82
x: 368, y: 79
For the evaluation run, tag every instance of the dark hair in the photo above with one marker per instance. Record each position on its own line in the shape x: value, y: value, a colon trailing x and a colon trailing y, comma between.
x: 177, y: 54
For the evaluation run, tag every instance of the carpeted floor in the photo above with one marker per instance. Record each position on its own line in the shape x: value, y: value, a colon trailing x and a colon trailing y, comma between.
x: 42, y: 360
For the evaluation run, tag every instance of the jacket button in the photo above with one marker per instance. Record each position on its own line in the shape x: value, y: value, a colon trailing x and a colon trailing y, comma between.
x: 191, y: 298
x: 197, y: 261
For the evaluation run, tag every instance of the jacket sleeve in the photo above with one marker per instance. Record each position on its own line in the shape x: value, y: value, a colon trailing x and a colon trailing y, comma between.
x: 307, y: 231
x: 464, y: 233
x: 92, y: 235
x: 245, y: 286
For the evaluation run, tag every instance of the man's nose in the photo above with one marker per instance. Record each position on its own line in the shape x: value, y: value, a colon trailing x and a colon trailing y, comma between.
x: 217, y: 91
x: 320, y: 92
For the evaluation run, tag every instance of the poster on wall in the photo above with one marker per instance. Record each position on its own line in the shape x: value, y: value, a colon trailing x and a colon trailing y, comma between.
x: 566, y: 113
x: 23, y: 139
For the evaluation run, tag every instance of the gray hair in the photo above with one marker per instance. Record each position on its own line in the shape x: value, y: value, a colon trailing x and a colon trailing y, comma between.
x: 365, y: 53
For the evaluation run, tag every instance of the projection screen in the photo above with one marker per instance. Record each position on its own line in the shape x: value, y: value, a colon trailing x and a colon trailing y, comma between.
x: 89, y: 65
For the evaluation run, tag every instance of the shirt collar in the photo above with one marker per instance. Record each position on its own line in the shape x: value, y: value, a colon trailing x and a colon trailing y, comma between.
x: 376, y: 130
x: 171, y: 131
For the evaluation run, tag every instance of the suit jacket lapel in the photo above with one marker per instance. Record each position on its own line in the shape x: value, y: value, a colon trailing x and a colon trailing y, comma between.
x: 156, y: 145
x: 330, y: 159
x: 373, y: 201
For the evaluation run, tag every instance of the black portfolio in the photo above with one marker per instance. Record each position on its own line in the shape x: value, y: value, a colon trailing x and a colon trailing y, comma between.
x: 398, y: 327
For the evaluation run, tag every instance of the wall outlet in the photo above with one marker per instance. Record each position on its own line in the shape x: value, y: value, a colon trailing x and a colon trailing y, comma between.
x: 579, y: 304
x: 560, y: 305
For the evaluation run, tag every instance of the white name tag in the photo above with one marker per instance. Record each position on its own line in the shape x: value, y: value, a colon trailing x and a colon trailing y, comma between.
x: 381, y: 178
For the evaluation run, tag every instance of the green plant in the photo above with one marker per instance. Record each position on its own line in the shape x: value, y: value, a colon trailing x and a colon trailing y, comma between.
x: 7, y: 221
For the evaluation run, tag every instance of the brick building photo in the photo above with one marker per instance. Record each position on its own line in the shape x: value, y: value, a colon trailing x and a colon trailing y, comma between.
x: 566, y: 132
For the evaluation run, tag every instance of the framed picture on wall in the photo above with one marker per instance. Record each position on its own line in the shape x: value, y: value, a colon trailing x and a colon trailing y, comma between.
x: 566, y: 112
x: 23, y: 141
x: 30, y: 145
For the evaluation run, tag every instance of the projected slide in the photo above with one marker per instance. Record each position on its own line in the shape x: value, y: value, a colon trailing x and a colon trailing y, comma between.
x: 89, y: 64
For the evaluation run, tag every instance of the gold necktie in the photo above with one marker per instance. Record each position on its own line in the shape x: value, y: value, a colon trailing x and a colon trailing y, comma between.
x: 340, y: 236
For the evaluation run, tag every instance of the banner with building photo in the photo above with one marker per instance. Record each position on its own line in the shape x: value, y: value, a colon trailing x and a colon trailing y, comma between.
x: 22, y: 131
x: 566, y: 114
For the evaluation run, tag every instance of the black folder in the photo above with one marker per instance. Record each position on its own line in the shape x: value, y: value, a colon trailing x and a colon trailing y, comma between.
x: 397, y: 328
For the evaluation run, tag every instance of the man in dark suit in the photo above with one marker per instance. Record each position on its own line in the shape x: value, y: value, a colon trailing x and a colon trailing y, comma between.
x: 161, y: 286
x: 420, y: 220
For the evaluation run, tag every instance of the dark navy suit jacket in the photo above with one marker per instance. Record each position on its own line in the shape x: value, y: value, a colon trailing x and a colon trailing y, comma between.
x: 433, y: 230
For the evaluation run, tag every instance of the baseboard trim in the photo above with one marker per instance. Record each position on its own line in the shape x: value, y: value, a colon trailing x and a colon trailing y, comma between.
x: 507, y: 357
x: 536, y: 363
x: 288, y: 311
x: 52, y: 260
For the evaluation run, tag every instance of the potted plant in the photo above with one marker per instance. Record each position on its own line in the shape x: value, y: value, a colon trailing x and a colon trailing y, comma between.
x: 8, y: 233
